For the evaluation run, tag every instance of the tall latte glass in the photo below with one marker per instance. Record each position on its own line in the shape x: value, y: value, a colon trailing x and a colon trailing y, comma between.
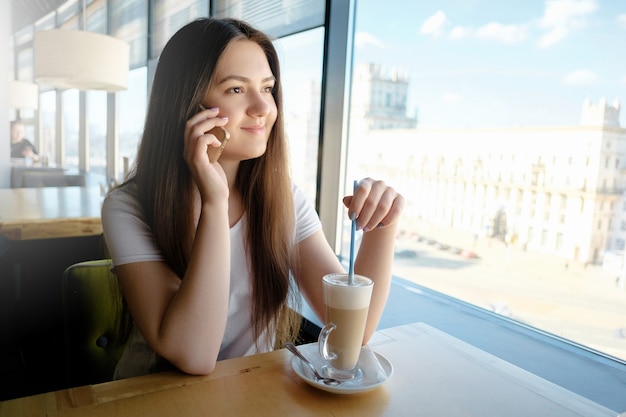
x: 341, y: 338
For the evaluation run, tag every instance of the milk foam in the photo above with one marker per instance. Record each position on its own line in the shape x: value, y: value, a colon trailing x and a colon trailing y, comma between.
x: 347, y: 297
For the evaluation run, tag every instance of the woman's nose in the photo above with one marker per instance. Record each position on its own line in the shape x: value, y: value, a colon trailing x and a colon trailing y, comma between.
x: 259, y: 104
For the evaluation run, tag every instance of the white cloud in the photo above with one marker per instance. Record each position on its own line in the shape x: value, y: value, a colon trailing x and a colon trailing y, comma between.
x: 623, y: 80
x: 492, y: 31
x: 561, y: 17
x: 563, y: 12
x: 435, y: 24
x: 621, y: 21
x: 364, y: 39
x: 553, y: 37
x: 559, y: 20
x: 580, y: 77
x: 460, y: 32
x: 504, y: 33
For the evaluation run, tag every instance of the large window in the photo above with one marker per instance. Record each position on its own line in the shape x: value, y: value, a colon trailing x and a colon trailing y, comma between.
x: 70, y: 128
x: 481, y: 117
x: 276, y: 18
x: 47, y: 118
x: 132, y: 110
x: 301, y: 72
x: 97, y: 131
x: 170, y: 15
x: 129, y: 21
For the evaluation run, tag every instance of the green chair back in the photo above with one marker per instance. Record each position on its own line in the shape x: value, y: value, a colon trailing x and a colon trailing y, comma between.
x: 92, y: 310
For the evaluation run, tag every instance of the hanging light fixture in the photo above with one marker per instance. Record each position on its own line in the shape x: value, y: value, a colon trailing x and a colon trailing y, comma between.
x: 23, y: 95
x: 79, y: 59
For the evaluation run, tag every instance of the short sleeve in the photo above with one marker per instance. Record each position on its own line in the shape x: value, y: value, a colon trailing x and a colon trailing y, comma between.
x: 307, y: 219
x: 127, y: 236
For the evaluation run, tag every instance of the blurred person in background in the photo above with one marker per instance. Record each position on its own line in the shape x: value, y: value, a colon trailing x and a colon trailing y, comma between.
x: 20, y: 146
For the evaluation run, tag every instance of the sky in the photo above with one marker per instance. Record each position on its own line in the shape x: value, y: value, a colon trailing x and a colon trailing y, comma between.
x: 499, y: 63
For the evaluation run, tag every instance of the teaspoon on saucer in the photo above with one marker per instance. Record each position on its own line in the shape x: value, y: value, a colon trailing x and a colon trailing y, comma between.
x: 328, y: 381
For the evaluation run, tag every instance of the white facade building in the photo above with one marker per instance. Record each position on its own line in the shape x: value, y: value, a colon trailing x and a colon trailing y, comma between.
x: 558, y: 189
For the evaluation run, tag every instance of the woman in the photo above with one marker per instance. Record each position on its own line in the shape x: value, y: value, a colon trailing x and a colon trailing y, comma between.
x: 204, y: 250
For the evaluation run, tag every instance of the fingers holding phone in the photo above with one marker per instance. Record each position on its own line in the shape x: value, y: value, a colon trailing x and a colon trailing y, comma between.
x: 204, y: 141
x: 204, y: 135
x: 223, y: 135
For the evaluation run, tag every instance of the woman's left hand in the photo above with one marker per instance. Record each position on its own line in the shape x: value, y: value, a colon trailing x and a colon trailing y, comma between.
x: 374, y: 205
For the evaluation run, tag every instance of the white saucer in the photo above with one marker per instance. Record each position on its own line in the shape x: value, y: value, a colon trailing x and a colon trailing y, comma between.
x: 349, y: 387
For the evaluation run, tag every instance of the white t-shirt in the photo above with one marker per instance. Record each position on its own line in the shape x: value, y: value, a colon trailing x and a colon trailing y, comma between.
x: 129, y: 239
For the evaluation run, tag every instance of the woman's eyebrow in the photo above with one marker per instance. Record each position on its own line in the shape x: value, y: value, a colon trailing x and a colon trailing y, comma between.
x: 244, y: 79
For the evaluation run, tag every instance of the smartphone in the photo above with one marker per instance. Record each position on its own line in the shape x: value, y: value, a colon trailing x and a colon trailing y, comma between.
x: 223, y: 135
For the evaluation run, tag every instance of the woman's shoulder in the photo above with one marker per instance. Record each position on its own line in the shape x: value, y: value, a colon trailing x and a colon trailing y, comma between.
x: 299, y: 195
x: 126, y: 191
x: 128, y: 237
x: 307, y: 220
x: 123, y: 197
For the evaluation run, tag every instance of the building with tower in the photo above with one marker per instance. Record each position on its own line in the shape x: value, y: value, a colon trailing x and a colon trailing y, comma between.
x: 379, y: 99
x: 560, y: 189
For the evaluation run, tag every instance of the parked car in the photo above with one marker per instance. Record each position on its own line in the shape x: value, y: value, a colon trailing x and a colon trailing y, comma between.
x: 455, y: 250
x: 469, y: 254
x: 442, y: 246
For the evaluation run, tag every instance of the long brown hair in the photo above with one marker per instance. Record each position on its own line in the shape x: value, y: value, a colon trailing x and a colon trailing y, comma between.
x: 165, y: 183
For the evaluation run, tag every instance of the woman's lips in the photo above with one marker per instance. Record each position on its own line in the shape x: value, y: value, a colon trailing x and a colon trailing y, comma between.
x: 258, y: 129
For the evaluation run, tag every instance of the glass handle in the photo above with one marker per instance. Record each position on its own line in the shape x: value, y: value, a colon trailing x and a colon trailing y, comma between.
x: 322, y: 342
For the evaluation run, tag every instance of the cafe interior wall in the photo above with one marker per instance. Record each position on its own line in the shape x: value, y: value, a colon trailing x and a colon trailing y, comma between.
x: 5, y: 30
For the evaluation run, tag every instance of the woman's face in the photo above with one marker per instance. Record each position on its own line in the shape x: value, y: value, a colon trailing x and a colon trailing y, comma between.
x: 241, y: 88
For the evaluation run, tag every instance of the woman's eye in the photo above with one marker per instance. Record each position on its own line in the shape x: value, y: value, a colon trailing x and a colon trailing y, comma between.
x: 234, y: 90
x: 268, y: 89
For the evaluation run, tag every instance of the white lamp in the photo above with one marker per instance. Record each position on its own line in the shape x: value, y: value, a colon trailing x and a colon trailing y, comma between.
x: 79, y: 59
x: 23, y: 95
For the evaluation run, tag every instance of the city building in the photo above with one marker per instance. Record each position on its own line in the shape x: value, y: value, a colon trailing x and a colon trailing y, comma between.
x: 557, y: 190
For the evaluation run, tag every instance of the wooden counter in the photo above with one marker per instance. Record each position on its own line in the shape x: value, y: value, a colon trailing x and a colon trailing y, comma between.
x: 50, y: 212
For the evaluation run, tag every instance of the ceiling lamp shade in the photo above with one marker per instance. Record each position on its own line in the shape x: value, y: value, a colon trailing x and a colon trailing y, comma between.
x: 80, y: 59
x: 23, y: 95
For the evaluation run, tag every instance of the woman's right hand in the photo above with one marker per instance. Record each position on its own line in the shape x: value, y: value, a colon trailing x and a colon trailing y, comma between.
x: 209, y: 176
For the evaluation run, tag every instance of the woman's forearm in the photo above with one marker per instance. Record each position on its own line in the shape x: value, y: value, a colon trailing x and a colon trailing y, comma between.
x: 195, y: 320
x: 375, y: 261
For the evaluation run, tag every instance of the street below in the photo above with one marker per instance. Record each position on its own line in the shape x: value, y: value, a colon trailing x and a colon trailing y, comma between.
x: 584, y: 304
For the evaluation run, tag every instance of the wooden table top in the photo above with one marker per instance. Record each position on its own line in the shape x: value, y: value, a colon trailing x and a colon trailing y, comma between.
x: 50, y: 212
x: 434, y: 375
